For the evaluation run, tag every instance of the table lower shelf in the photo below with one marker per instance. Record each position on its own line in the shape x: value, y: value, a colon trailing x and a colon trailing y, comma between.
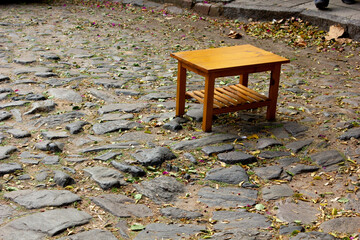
x: 232, y: 98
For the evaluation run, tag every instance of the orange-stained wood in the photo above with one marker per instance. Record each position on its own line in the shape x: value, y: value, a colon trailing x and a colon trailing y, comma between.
x: 226, y: 58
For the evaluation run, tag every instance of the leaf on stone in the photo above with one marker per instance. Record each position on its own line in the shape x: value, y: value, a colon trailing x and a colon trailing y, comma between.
x: 343, y: 200
x: 138, y: 196
x: 335, y: 32
x: 297, y: 221
x: 259, y: 207
x: 137, y: 227
x: 10, y: 189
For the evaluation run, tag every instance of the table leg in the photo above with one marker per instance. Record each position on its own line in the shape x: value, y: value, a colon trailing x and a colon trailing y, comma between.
x: 273, y: 92
x: 208, y: 103
x: 181, y: 89
x: 244, y: 79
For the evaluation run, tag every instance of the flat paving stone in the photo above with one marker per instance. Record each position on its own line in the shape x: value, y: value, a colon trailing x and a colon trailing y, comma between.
x: 43, y: 224
x: 273, y: 154
x: 19, y: 133
x: 6, y: 150
x: 13, y: 104
x: 54, y: 134
x: 4, y: 115
x: 239, y: 221
x: 95, y: 234
x: 113, y: 146
x: 298, y: 145
x: 168, y: 231
x: 178, y: 213
x: 105, y: 177
x: 301, y: 168
x: 122, y: 206
x: 42, y: 198
x: 295, y: 128
x: 123, y: 107
x: 327, y: 158
x: 135, y: 171
x: 349, y: 225
x: 236, y: 157
x: 56, y: 120
x: 107, y: 156
x: 263, y: 143
x: 290, y: 212
x: 63, y: 179
x: 276, y: 191
x: 112, y: 126
x: 51, y: 160
x: 4, y: 78
x: 65, y: 94
x: 209, y: 150
x: 6, y: 212
x: 208, y: 140
x: 154, y: 157
x: 271, y: 172
x: 313, y: 236
x: 9, y: 168
x: 76, y: 127
x: 43, y: 106
x: 233, y: 175
x: 227, y: 196
x: 161, y: 189
x: 351, y: 133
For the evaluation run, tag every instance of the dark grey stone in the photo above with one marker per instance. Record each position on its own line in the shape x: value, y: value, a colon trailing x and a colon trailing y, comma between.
x: 351, y: 133
x: 208, y: 140
x: 196, y: 114
x: 56, y: 120
x: 157, y: 96
x: 6, y: 212
x: 107, y: 156
x: 236, y: 157
x: 9, y: 168
x: 50, y: 146
x: 109, y: 83
x: 65, y: 94
x: 349, y: 225
x: 154, y: 157
x: 42, y: 224
x: 43, y: 106
x: 76, y: 127
x: 62, y: 179
x: 95, y: 234
x: 313, y: 236
x: 51, y: 160
x: 123, y: 228
x: 133, y: 170
x: 327, y: 158
x: 191, y: 158
x: 35, y: 97
x: 42, y: 198
x: 4, y: 115
x: 289, y: 211
x: 6, y: 150
x: 239, y: 221
x: 288, y: 161
x: 13, y: 104
x: 161, y: 189
x: 112, y: 126
x: 106, y: 96
x: 173, y: 125
x: 179, y: 213
x: 271, y: 172
x: 301, y: 168
x: 353, y: 203
x: 273, y: 154
x: 50, y: 56
x: 29, y: 161
x: 127, y: 92
x: 233, y: 175
x: 25, y: 60
x: 123, y: 107
x: 298, y: 145
x: 276, y: 191
x: 125, y: 145
x: 263, y: 143
x: 295, y: 128
x: 122, y: 206
x: 4, y: 78
x: 168, y: 231
x: 42, y: 176
x: 208, y: 150
x: 227, y: 196
x: 105, y: 177
x: 18, y: 133
x: 45, y: 74
x: 289, y: 229
x: 24, y: 177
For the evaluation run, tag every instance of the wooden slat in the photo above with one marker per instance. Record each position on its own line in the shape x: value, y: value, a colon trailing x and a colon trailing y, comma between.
x: 199, y: 95
x: 251, y: 91
x: 229, y: 99
x: 248, y: 94
x: 239, y: 99
x: 241, y: 94
x: 220, y: 101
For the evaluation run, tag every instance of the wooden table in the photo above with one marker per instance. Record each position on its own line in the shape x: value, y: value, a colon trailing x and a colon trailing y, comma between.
x: 222, y: 62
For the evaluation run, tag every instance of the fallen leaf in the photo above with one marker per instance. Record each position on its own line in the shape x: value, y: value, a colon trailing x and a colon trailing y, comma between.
x: 234, y: 35
x: 137, y: 227
x: 335, y: 32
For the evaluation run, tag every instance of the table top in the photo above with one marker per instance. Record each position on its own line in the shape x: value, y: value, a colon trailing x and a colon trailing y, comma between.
x: 214, y: 59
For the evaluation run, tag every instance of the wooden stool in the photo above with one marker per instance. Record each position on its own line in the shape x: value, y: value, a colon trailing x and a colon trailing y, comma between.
x: 222, y: 62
